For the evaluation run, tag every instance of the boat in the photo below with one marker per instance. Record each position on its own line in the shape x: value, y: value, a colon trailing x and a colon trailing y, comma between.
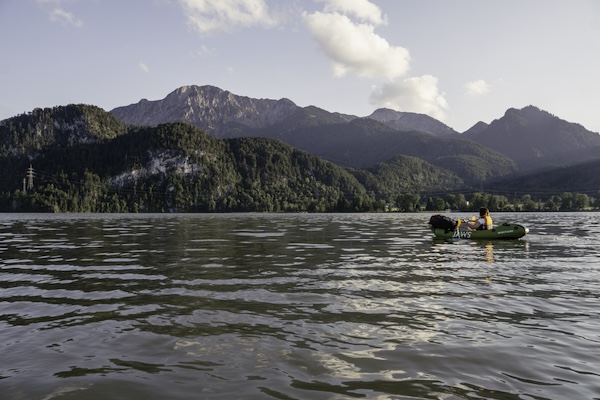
x: 445, y: 228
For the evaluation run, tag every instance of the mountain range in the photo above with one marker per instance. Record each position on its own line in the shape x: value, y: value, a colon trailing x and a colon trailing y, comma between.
x: 202, y: 148
x: 521, y: 141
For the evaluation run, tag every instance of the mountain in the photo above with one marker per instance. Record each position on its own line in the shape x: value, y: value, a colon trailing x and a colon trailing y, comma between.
x: 58, y: 126
x: 85, y: 160
x: 80, y: 158
x: 534, y: 138
x: 476, y: 129
x: 580, y: 178
x: 209, y: 108
x: 407, y: 121
x: 363, y: 143
x: 342, y: 139
x: 406, y: 174
x: 223, y: 113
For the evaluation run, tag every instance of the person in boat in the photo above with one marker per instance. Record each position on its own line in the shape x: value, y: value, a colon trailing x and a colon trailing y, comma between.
x: 484, y: 221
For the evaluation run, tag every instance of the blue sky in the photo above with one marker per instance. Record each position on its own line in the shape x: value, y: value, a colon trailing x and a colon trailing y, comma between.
x: 460, y: 61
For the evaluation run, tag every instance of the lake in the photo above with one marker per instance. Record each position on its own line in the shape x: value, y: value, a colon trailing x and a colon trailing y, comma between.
x: 296, y: 306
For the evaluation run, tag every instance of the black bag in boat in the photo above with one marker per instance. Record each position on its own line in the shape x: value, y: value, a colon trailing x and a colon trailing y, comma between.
x: 442, y: 222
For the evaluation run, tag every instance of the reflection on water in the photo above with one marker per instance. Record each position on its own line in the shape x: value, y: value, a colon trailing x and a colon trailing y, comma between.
x: 489, y: 252
x: 295, y: 307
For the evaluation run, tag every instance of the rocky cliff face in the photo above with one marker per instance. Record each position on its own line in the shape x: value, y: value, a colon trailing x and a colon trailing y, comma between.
x: 224, y: 114
x: 214, y: 110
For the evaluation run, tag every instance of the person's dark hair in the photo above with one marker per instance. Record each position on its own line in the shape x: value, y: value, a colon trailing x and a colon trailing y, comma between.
x: 483, y: 211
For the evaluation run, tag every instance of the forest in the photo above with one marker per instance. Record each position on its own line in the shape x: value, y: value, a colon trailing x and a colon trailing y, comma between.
x: 80, y: 159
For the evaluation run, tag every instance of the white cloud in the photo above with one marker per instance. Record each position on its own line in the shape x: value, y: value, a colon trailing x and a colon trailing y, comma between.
x: 143, y: 67
x: 477, y: 88
x: 345, y: 31
x: 361, y: 9
x: 65, y: 17
x: 213, y: 16
x: 356, y: 47
x: 417, y: 94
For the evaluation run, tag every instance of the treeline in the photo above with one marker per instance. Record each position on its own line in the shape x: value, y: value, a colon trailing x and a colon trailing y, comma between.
x: 176, y: 192
x: 566, y: 201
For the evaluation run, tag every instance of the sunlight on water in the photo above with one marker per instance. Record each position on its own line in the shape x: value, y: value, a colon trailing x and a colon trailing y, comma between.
x: 296, y: 307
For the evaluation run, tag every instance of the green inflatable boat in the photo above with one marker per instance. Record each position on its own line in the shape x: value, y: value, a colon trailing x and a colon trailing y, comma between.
x: 445, y: 228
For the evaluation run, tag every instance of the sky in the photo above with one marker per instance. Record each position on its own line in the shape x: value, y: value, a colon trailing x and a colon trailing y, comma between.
x: 459, y: 61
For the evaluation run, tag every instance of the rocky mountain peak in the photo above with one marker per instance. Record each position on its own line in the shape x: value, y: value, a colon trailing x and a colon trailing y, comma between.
x: 212, y: 109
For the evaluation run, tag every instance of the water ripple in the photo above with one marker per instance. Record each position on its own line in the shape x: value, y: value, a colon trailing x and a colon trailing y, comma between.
x: 295, y: 306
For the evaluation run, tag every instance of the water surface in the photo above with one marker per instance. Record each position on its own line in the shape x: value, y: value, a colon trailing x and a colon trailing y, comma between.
x: 302, y: 306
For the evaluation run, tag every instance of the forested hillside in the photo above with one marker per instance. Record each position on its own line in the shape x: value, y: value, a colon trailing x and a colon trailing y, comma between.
x: 79, y: 158
x: 58, y: 126
x: 345, y: 140
x: 582, y: 178
x: 406, y: 175
x: 363, y: 142
x: 172, y: 167
x: 534, y: 138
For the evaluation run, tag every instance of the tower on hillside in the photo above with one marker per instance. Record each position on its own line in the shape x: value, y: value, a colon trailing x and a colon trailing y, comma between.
x: 30, y: 177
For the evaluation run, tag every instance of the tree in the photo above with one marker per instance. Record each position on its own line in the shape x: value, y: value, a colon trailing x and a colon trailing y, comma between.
x: 408, y: 202
x: 528, y: 203
x: 582, y: 201
x: 568, y: 202
x: 440, y: 204
x: 479, y: 200
x: 554, y: 203
x: 430, y: 206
